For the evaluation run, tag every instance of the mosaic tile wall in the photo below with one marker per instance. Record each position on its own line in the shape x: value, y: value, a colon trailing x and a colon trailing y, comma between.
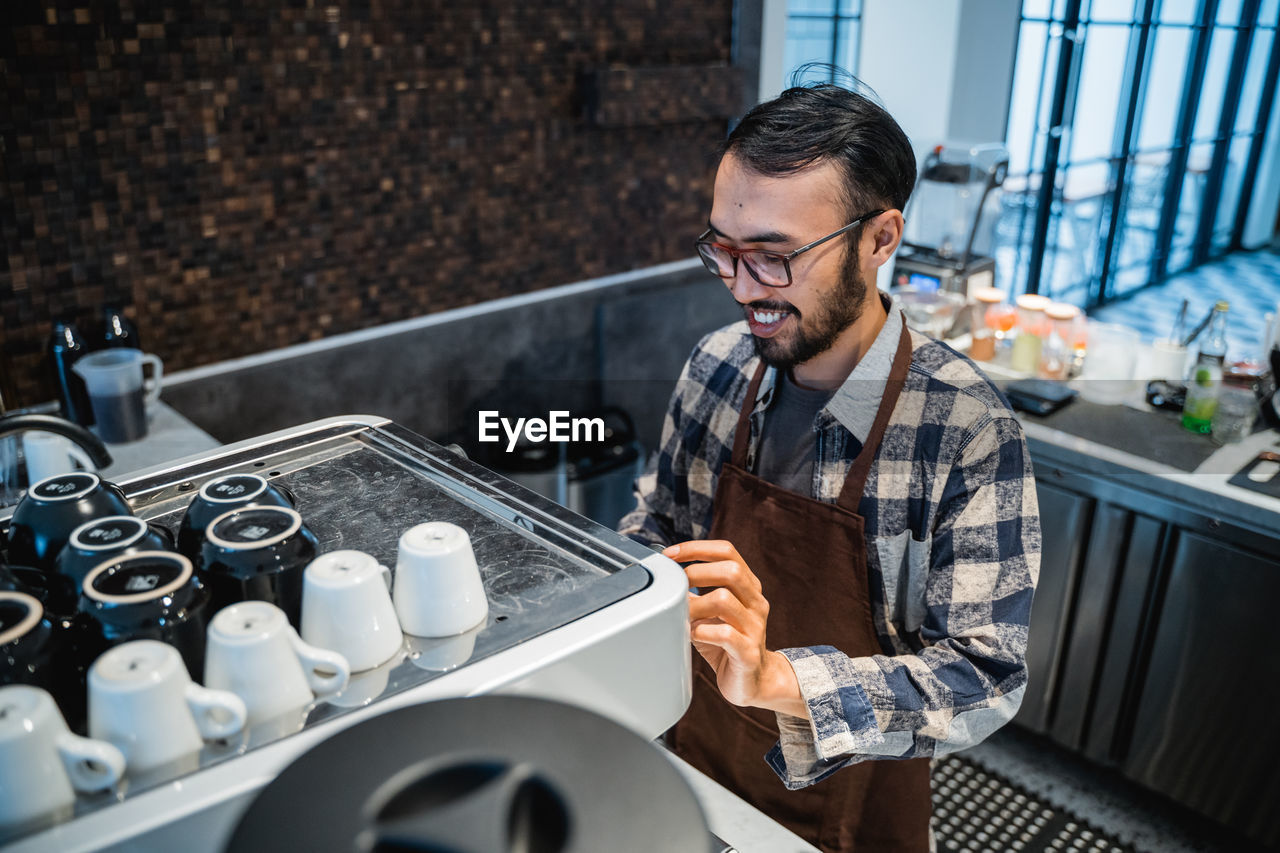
x: 242, y: 175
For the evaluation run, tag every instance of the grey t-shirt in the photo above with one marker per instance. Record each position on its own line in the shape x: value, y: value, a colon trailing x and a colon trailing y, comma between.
x: 788, y: 442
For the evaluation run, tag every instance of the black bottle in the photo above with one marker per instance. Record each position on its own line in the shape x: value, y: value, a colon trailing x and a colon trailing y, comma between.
x: 118, y: 330
x: 65, y: 349
x: 1271, y: 405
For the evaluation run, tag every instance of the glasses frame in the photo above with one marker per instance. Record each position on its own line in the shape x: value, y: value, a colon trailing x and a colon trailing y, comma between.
x: 785, y: 257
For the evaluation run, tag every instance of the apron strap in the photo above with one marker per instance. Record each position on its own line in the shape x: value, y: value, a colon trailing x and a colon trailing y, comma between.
x: 743, y: 431
x: 856, y: 482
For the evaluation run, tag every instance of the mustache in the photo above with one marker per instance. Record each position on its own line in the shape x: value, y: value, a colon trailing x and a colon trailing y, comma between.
x: 768, y: 305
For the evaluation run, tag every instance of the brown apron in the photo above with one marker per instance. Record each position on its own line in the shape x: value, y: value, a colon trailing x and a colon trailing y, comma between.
x: 811, y: 559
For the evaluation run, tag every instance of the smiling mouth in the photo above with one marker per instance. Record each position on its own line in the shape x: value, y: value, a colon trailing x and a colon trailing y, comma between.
x: 765, y: 321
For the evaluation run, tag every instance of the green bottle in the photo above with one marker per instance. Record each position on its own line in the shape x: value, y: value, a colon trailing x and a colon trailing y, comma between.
x: 1206, y: 375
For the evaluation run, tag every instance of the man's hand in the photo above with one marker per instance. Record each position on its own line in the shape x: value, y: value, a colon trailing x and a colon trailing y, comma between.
x: 727, y: 625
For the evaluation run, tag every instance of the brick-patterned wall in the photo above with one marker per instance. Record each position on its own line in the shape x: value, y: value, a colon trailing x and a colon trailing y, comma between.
x: 246, y: 174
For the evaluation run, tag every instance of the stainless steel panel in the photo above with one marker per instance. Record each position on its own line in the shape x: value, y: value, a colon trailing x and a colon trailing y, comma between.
x: 1205, y: 732
x: 1066, y: 517
x: 1089, y: 622
x: 1110, y: 720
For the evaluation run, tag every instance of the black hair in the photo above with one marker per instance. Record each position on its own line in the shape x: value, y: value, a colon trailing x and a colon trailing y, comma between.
x: 817, y: 122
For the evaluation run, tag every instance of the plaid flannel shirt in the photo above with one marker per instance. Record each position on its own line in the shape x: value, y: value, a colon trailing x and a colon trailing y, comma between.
x: 953, y: 546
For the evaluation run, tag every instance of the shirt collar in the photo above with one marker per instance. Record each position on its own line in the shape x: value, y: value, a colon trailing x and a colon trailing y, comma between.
x: 855, y: 402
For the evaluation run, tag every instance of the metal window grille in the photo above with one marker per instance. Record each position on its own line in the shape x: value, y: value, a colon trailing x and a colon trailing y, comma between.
x: 1135, y: 133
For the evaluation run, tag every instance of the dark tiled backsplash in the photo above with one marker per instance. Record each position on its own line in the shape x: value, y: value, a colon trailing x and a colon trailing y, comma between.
x: 242, y: 176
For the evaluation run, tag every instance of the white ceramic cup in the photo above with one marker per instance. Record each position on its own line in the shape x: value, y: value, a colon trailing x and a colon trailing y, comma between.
x: 254, y: 652
x: 438, y: 590
x: 1164, y: 359
x: 42, y: 764
x: 142, y: 700
x: 48, y: 454
x: 347, y: 607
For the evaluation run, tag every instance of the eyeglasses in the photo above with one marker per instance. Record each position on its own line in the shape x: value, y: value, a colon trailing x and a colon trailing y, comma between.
x: 771, y: 269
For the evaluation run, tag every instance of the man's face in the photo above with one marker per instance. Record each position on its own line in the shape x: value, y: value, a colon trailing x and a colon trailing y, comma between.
x: 790, y: 325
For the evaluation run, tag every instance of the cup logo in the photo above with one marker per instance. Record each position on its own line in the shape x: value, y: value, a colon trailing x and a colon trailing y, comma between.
x: 64, y: 486
x: 137, y: 578
x: 115, y: 531
x: 141, y: 583
x: 256, y: 527
x: 235, y: 488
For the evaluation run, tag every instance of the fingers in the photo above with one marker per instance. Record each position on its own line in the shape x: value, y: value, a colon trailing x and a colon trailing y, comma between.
x: 722, y: 605
x: 723, y: 566
x: 702, y: 549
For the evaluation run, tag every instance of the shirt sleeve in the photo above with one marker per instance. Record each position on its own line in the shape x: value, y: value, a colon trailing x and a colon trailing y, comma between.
x: 969, y: 676
x: 653, y: 521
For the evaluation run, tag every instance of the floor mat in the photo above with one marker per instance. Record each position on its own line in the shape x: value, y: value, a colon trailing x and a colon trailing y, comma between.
x: 975, y: 810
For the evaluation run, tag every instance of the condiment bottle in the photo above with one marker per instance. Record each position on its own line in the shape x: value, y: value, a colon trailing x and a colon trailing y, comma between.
x: 118, y: 330
x: 1206, y: 376
x: 1031, y: 332
x: 985, y: 322
x: 65, y: 348
x: 1057, y: 353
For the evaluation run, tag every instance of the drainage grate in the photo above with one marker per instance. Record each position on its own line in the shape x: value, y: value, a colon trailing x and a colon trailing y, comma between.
x: 975, y: 811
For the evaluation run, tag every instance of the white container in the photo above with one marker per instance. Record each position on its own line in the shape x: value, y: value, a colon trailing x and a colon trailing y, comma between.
x: 347, y: 607
x: 438, y: 591
x: 142, y: 700
x: 49, y: 454
x: 42, y: 764
x: 254, y: 653
x: 1111, y: 357
x: 117, y: 391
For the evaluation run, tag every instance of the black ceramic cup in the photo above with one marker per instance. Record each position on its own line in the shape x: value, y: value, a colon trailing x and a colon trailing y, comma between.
x: 221, y: 495
x: 258, y: 553
x: 102, y: 539
x: 52, y: 508
x: 145, y: 595
x: 33, y: 582
x: 36, y: 649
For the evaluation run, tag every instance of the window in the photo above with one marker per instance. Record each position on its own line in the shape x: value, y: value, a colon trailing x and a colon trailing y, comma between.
x: 1135, y: 130
x: 824, y: 31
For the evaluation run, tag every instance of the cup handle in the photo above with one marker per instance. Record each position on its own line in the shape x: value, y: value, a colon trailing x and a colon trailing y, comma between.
x: 386, y: 576
x: 326, y: 671
x: 157, y: 367
x: 92, y: 765
x: 218, y: 713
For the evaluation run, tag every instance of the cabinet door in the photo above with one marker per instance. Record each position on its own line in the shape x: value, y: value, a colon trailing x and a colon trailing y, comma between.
x: 1064, y: 517
x: 1205, y: 732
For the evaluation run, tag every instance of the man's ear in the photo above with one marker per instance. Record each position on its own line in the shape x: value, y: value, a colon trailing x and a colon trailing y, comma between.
x: 880, y: 238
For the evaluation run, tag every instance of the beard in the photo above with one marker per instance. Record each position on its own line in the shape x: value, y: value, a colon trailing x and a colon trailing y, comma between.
x: 836, y: 311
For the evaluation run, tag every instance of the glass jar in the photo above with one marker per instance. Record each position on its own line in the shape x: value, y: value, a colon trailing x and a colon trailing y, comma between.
x: 987, y: 322
x: 1031, y: 330
x: 1057, y: 355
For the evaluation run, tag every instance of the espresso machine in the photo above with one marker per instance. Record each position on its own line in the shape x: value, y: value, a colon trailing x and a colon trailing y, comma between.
x: 940, y: 247
x: 576, y: 614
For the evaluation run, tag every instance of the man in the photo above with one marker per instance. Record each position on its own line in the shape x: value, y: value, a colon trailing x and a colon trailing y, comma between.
x: 853, y: 500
